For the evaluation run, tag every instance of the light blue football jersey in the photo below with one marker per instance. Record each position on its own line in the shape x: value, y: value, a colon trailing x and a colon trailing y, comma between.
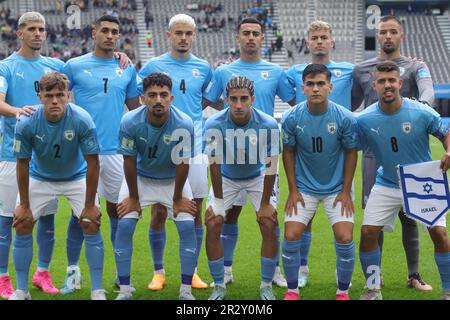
x: 319, y: 141
x: 19, y: 81
x: 243, y: 148
x: 341, y: 78
x: 154, y: 146
x: 399, y: 138
x: 190, y: 78
x: 269, y: 80
x: 101, y: 87
x: 56, y: 149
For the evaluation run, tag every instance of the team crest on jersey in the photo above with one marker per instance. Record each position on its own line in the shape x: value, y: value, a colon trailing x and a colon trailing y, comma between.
x: 196, y: 73
x: 69, y: 134
x: 406, y: 126
x: 127, y: 143
x: 402, y: 71
x: 338, y: 73
x: 265, y: 75
x: 167, y: 138
x: 253, y: 139
x: 119, y: 72
x: 47, y: 70
x: 332, y: 128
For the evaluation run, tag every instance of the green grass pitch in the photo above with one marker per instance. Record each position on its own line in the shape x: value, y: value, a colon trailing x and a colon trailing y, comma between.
x: 246, y: 267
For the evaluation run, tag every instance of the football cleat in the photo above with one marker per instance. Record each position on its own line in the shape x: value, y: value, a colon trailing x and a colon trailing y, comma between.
x: 72, y: 281
x: 290, y: 295
x: 278, y: 279
x: 6, y: 287
x: 228, y: 278
x: 158, y: 281
x: 98, y: 294
x: 342, y: 296
x: 184, y: 295
x: 266, y: 293
x: 43, y: 281
x: 20, y: 295
x: 218, y: 293
x: 415, y: 281
x: 371, y: 294
x: 198, y: 283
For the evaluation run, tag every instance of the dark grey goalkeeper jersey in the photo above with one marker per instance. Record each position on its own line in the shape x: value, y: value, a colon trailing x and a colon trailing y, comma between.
x: 417, y: 82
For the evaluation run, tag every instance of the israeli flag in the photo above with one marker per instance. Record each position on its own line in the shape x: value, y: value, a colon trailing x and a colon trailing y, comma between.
x: 425, y: 191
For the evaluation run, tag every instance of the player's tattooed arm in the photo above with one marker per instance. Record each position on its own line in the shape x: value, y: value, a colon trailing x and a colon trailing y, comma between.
x: 218, y: 105
x: 289, y: 168
x: 131, y: 203
x: 23, y: 212
x: 133, y: 103
x: 345, y: 197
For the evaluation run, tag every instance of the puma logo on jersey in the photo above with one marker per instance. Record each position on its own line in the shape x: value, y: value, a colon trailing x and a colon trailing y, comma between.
x: 88, y: 72
x: 376, y: 131
x: 40, y: 138
x: 302, y: 129
x: 143, y: 139
x: 21, y: 75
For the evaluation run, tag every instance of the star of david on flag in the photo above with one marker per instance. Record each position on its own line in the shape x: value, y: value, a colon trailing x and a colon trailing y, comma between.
x: 425, y: 191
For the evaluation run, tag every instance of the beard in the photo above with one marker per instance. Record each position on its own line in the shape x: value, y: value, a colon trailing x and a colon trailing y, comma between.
x: 388, y: 50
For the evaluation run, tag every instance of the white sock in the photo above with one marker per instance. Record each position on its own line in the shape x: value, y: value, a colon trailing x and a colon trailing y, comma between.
x: 186, y: 288
x: 160, y: 271
x: 265, y: 284
x: 39, y: 269
x: 4, y: 274
x: 341, y: 291
x: 277, y: 270
x: 293, y: 290
x: 195, y: 271
x: 228, y: 269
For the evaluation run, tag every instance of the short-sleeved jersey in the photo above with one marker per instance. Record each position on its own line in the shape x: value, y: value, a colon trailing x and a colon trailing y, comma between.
x: 101, y: 87
x: 269, y: 80
x: 319, y: 141
x: 244, y: 149
x: 341, y: 78
x: 56, y: 149
x: 153, y: 146
x: 400, y: 137
x: 411, y: 72
x: 190, y: 78
x: 19, y: 81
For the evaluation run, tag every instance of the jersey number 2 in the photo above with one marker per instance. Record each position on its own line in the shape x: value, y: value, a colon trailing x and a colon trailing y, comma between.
x: 57, y: 148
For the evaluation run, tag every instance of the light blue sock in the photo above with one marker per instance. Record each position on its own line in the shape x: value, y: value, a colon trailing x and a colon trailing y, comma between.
x: 5, y: 242
x: 305, y: 245
x: 345, y: 263
x: 291, y: 261
x: 95, y: 252
x: 199, y: 239
x: 186, y: 232
x: 124, y: 248
x: 443, y: 263
x: 217, y: 271
x: 277, y: 228
x: 113, y: 229
x: 74, y: 241
x: 22, y: 256
x: 45, y: 238
x: 370, y: 263
x: 229, y: 239
x: 268, y: 266
x: 157, y: 244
